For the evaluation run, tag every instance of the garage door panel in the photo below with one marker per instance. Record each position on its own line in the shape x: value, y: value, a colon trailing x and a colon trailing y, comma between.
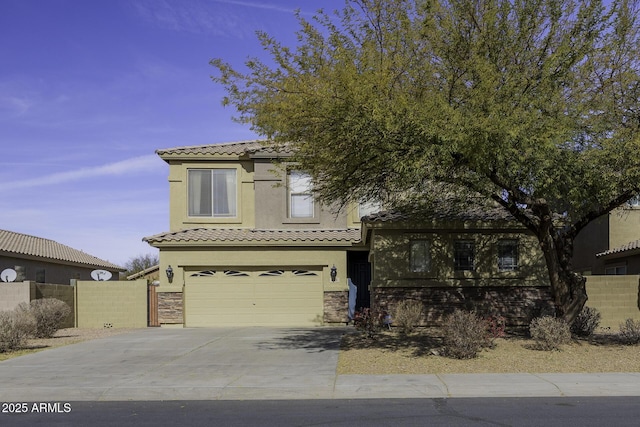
x: 254, y: 299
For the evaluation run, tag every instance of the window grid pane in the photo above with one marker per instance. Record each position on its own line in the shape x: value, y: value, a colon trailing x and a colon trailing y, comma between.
x: 508, y: 255
x: 212, y: 192
x: 420, y: 256
x: 464, y: 255
x: 301, y: 204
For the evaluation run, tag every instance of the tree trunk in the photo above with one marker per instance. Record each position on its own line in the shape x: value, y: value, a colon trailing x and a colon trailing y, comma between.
x: 567, y: 288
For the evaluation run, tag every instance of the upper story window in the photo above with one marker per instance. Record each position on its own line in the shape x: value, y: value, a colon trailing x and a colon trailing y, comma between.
x: 301, y: 204
x: 507, y: 255
x: 212, y: 192
x: 464, y: 255
x: 420, y: 256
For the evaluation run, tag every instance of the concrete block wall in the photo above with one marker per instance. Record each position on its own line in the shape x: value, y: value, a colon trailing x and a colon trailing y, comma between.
x: 617, y: 298
x: 64, y: 293
x: 111, y: 304
x: 14, y: 293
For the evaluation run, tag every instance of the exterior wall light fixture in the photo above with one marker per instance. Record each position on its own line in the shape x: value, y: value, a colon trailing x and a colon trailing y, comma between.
x: 170, y: 274
x: 334, y: 273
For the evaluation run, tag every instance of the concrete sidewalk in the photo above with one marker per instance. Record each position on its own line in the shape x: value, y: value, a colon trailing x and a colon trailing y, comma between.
x: 254, y: 363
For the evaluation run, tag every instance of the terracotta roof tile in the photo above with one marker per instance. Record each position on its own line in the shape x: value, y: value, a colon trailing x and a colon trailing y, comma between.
x: 24, y: 244
x: 253, y: 235
x: 230, y: 148
x: 444, y: 212
x: 624, y: 248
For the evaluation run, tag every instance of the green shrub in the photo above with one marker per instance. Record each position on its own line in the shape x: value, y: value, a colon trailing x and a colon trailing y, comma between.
x: 465, y: 335
x: 16, y: 327
x: 630, y: 332
x: 549, y: 333
x: 49, y: 314
x: 407, y: 315
x: 586, y: 322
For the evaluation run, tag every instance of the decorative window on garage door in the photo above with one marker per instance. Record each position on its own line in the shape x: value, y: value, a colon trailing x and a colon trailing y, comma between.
x: 303, y: 273
x: 272, y: 273
x: 206, y: 273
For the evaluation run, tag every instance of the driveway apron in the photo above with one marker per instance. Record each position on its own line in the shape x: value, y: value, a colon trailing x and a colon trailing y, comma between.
x: 180, y: 364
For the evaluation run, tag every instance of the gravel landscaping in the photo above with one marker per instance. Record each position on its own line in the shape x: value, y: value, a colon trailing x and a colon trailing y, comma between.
x: 420, y: 353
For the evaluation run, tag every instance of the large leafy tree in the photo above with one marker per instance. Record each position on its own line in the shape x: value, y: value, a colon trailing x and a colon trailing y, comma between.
x: 533, y: 104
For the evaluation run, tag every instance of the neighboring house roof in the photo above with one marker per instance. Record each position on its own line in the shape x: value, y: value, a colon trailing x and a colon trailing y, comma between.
x: 142, y: 273
x: 18, y: 244
x: 231, y: 148
x: 630, y: 248
x: 349, y: 235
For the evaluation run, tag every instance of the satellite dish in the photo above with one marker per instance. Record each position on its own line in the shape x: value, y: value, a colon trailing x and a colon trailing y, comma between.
x: 100, y: 275
x: 8, y: 275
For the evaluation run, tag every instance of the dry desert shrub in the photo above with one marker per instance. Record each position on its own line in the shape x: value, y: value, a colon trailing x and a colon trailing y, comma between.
x: 465, y: 335
x: 16, y: 327
x: 549, y: 333
x: 407, y: 315
x: 629, y: 332
x: 586, y: 322
x: 49, y: 314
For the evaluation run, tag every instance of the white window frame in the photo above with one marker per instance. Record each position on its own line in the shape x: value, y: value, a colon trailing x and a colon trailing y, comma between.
x: 215, y: 210
x: 300, y: 195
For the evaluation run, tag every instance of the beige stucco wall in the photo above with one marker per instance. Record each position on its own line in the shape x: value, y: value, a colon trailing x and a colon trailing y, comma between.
x: 391, y: 259
x: 121, y: 304
x: 617, y: 298
x: 624, y: 226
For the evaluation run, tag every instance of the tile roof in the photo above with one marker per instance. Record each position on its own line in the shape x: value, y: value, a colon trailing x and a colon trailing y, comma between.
x: 252, y: 235
x: 24, y: 244
x: 230, y: 148
x: 620, y: 249
x: 444, y: 212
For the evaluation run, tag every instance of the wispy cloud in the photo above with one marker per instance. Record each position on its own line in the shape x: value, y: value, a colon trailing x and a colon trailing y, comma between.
x: 255, y: 5
x: 134, y: 165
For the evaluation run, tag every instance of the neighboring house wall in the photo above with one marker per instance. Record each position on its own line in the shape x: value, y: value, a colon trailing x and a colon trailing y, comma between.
x: 42, y: 271
x: 608, y: 232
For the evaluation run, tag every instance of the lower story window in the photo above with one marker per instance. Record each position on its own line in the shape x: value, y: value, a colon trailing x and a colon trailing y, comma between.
x: 464, y: 255
x: 420, y: 256
x: 508, y: 255
x: 616, y: 270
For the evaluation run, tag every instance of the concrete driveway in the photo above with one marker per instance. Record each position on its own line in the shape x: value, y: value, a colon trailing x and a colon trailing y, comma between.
x: 255, y: 363
x: 189, y: 364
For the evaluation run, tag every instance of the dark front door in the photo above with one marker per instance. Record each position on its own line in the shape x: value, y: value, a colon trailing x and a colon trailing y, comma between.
x: 360, y: 273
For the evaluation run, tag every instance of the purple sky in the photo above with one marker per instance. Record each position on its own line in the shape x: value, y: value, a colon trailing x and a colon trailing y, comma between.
x: 90, y: 89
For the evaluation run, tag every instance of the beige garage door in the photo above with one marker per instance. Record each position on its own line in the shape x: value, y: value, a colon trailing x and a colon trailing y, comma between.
x: 237, y: 297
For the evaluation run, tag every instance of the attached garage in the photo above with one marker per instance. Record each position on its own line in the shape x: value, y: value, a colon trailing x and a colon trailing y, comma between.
x: 227, y: 296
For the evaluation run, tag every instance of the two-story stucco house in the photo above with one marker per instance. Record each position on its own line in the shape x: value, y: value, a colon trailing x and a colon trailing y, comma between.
x: 248, y: 245
x: 611, y: 243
